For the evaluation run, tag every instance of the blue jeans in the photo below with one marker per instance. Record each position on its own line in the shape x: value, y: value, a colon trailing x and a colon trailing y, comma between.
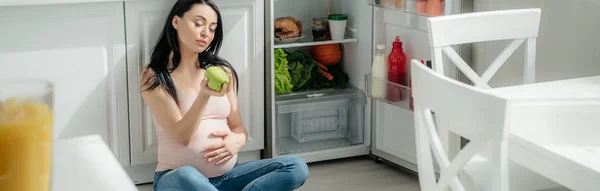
x: 280, y: 174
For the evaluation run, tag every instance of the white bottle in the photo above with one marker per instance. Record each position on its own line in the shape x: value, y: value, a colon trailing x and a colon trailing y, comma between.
x: 379, y: 73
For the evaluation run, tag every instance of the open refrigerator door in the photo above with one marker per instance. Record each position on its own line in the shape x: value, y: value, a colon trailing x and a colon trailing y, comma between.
x: 392, y: 121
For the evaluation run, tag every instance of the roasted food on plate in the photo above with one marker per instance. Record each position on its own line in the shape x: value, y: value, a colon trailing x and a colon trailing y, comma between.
x: 287, y: 27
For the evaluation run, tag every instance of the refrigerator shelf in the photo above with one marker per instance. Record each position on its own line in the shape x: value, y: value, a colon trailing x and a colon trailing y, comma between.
x: 308, y: 40
x: 386, y: 4
x: 427, y: 8
x: 378, y: 89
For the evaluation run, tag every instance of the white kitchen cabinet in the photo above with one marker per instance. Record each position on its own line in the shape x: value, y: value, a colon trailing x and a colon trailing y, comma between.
x: 243, y: 47
x: 81, y: 49
x: 144, y: 21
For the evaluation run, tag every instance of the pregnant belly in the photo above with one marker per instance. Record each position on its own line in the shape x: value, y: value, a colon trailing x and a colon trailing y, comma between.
x: 194, y: 156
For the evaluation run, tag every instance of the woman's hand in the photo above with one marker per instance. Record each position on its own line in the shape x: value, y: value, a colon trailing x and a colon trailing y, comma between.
x: 204, y: 89
x: 226, y: 149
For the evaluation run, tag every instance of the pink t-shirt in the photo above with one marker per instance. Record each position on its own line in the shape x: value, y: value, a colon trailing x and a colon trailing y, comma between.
x: 172, y: 154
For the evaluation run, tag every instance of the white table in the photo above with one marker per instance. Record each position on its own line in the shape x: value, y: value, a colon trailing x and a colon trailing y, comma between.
x: 86, y: 163
x: 577, y: 88
x: 556, y: 130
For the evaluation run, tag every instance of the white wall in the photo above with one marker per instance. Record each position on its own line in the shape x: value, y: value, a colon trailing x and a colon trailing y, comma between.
x: 565, y: 46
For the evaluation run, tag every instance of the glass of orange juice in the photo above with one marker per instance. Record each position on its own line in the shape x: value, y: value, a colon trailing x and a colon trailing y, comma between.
x: 25, y: 135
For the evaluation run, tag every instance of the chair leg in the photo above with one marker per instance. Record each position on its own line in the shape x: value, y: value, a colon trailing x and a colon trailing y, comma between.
x: 499, y: 167
x: 425, y: 161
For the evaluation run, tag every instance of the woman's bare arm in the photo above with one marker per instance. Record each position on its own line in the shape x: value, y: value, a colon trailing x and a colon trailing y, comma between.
x: 234, y: 141
x: 166, y: 112
x: 234, y: 120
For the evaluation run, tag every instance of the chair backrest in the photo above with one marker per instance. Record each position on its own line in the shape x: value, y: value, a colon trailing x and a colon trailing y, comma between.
x: 481, y: 117
x: 518, y: 25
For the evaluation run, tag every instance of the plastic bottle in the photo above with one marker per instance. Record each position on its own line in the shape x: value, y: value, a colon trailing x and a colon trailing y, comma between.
x: 379, y: 73
x: 397, y: 72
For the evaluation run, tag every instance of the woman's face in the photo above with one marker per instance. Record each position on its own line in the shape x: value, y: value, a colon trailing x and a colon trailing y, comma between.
x: 196, y: 29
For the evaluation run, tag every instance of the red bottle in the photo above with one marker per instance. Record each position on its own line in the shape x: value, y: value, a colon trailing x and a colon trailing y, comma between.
x: 397, y: 71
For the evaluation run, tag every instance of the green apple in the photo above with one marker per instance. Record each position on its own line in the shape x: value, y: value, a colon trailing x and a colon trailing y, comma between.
x: 216, y: 77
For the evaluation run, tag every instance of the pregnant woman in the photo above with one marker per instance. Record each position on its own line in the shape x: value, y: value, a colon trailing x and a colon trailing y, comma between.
x: 200, y: 130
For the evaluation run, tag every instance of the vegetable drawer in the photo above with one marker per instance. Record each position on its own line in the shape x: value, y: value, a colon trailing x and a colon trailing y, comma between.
x: 319, y: 117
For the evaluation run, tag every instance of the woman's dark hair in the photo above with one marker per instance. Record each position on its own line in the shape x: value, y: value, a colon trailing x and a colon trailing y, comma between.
x: 168, y: 42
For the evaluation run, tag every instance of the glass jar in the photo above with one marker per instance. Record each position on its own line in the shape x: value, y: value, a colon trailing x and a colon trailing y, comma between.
x: 25, y: 134
x: 319, y: 28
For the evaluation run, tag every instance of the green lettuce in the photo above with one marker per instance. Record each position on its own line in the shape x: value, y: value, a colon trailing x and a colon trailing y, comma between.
x: 282, y: 76
x: 301, y: 67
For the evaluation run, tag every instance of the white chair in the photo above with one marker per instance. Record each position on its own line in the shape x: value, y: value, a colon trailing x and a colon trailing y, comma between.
x: 445, y: 31
x: 482, y: 118
x: 516, y: 25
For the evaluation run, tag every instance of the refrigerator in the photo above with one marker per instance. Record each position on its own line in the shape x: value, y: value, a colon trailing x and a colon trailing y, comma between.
x: 333, y: 123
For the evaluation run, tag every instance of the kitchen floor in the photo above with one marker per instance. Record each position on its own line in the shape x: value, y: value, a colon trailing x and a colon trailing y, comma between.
x: 352, y: 174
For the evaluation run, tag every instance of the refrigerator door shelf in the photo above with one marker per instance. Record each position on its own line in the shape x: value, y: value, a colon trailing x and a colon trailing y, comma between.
x: 379, y: 89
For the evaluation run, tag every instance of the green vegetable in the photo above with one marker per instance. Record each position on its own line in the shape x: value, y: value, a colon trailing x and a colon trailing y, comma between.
x: 301, y: 67
x: 282, y: 76
x: 216, y: 78
x: 298, y: 71
x: 318, y: 81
